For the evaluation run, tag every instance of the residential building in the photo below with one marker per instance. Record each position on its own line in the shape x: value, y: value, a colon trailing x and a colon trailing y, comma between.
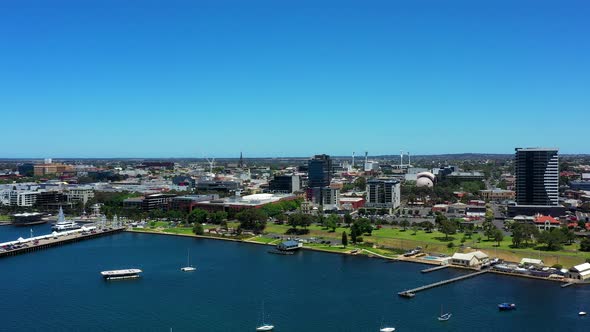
x: 537, y: 176
x: 80, y: 194
x: 383, y: 194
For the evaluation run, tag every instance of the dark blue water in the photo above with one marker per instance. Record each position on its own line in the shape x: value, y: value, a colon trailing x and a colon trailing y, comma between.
x: 60, y: 289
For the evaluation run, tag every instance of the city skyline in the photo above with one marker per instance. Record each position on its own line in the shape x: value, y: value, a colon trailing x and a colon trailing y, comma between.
x: 276, y: 79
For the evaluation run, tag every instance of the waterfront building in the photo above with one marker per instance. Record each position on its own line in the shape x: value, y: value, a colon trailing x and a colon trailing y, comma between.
x: 579, y: 272
x: 383, y: 194
x: 472, y: 259
x: 319, y: 171
x: 352, y: 203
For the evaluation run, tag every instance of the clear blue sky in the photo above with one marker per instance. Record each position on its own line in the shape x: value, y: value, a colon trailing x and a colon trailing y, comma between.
x: 120, y: 78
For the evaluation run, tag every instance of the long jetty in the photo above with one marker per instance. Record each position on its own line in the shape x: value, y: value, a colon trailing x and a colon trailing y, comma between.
x: 60, y: 240
x: 412, y: 292
x: 436, y: 268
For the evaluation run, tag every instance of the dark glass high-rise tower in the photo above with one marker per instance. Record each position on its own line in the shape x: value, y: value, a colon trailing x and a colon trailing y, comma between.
x: 537, y: 176
x: 319, y: 171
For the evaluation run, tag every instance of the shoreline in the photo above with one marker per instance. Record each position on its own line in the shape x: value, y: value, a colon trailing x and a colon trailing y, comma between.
x: 366, y: 253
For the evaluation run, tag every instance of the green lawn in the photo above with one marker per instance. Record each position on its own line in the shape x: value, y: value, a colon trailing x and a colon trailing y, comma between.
x: 435, y: 242
x: 4, y: 217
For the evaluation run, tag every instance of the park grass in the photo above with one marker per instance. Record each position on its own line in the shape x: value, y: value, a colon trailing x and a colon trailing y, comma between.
x: 4, y: 217
x: 435, y: 242
x: 262, y: 239
x: 178, y: 230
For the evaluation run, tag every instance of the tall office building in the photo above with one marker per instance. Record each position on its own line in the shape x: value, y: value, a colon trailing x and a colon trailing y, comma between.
x: 319, y: 171
x: 537, y: 176
x: 383, y: 194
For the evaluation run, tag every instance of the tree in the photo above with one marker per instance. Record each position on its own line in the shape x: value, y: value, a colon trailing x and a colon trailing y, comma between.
x: 332, y: 222
x: 344, y: 239
x: 348, y: 219
x: 488, y: 229
x: 428, y: 226
x: 197, y: 216
x: 353, y: 234
x: 498, y: 236
x: 585, y: 244
x: 553, y: 239
x: 415, y: 229
x: 198, y: 229
x: 518, y: 235
x: 218, y: 217
x: 530, y: 233
x: 405, y: 224
x: 447, y: 227
x: 439, y: 218
x: 252, y: 219
x: 569, y: 235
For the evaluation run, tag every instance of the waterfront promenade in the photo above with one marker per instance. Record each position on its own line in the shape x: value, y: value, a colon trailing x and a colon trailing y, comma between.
x: 53, y: 240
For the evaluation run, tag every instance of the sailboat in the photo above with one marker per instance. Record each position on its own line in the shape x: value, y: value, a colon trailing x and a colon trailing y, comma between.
x: 386, y: 328
x: 264, y: 326
x: 189, y: 267
x: 444, y: 317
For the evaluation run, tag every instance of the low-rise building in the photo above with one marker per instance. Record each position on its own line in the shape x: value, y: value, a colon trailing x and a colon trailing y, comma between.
x: 472, y: 259
x: 579, y: 272
x: 497, y: 194
x: 546, y: 223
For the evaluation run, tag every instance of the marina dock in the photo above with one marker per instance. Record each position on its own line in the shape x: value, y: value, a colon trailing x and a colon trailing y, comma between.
x: 436, y: 268
x: 412, y: 292
x: 57, y: 240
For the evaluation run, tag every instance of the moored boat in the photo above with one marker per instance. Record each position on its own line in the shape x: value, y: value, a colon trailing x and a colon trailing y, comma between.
x: 582, y: 313
x: 387, y: 329
x: 121, y: 274
x: 506, y: 306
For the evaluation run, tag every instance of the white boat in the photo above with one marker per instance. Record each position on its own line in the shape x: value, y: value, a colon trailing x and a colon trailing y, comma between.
x: 444, y: 317
x: 62, y: 224
x: 582, y: 313
x: 264, y: 326
x: 188, y: 267
x: 121, y: 274
x: 387, y: 329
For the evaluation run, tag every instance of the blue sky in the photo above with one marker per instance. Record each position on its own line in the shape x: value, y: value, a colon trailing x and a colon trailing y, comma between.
x: 291, y: 78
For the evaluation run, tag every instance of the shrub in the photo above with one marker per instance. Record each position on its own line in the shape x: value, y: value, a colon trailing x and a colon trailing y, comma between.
x: 450, y: 245
x: 557, y: 266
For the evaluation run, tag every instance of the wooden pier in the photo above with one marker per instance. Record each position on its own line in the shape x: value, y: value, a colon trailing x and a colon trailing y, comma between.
x: 53, y: 242
x: 412, y: 292
x: 436, y: 268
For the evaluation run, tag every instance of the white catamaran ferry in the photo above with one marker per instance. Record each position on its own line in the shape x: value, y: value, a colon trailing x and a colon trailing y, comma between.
x: 121, y: 274
x: 62, y: 224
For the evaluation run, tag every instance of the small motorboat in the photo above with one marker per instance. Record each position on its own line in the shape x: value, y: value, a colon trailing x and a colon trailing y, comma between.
x: 506, y: 306
x: 582, y: 313
x: 445, y: 317
x: 265, y: 328
x: 387, y: 329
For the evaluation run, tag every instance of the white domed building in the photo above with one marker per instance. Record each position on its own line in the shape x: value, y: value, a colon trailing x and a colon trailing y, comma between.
x: 425, y: 179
